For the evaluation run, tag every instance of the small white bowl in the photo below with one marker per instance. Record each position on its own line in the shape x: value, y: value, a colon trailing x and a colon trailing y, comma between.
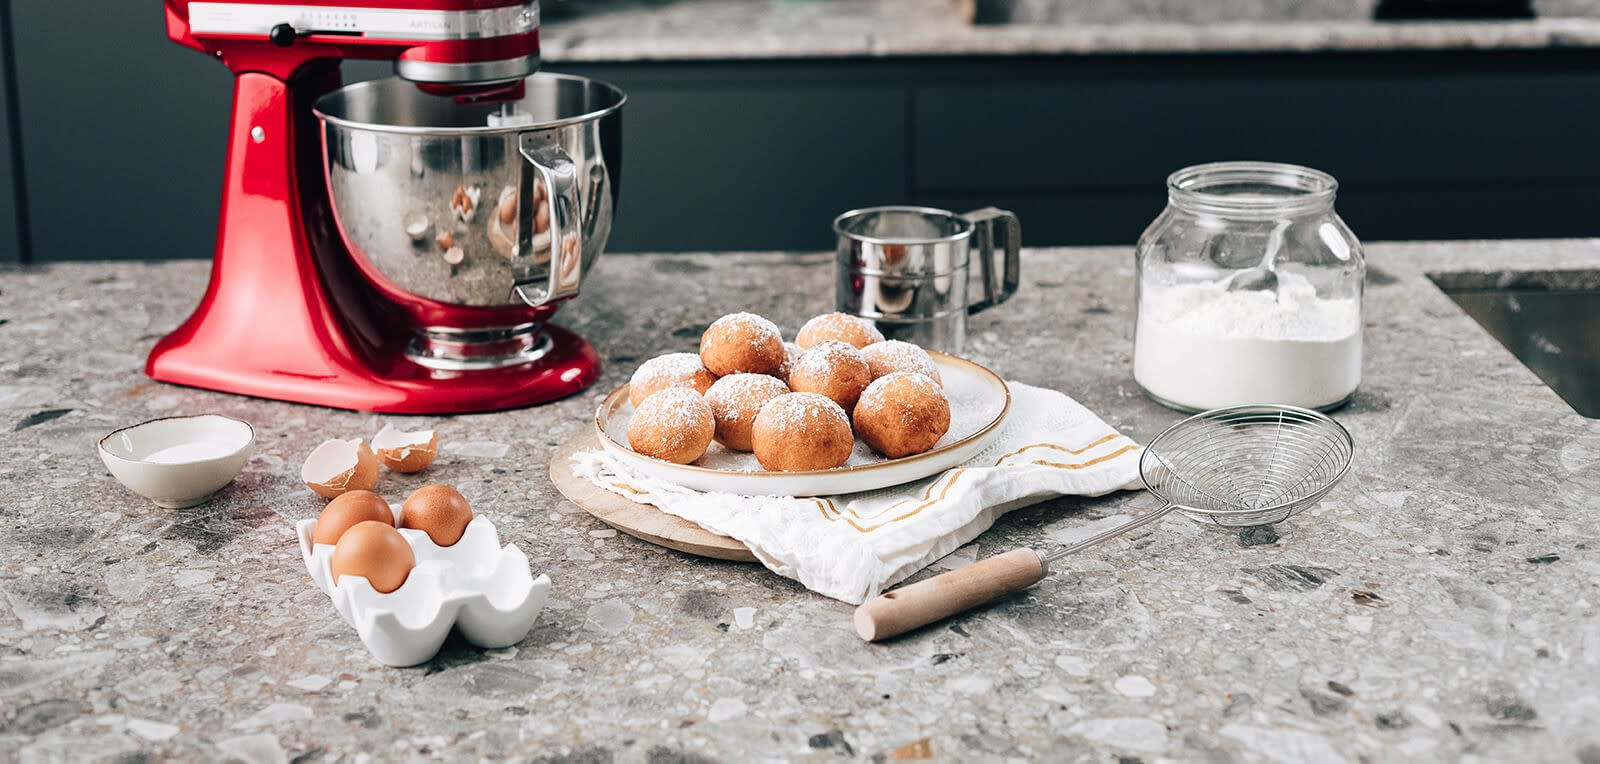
x: 179, y: 461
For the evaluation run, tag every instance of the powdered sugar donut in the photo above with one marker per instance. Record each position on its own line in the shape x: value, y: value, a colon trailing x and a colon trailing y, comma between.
x: 792, y: 353
x: 742, y: 343
x: 797, y: 432
x: 892, y: 356
x: 855, y: 332
x: 735, y: 400
x: 673, y: 425
x: 901, y: 414
x: 834, y: 369
x: 670, y: 370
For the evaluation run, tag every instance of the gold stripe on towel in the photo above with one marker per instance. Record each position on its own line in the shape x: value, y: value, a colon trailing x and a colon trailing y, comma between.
x: 1074, y: 451
x: 1090, y: 463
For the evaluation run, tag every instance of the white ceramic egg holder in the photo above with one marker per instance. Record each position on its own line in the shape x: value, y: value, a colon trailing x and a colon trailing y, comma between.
x: 485, y: 591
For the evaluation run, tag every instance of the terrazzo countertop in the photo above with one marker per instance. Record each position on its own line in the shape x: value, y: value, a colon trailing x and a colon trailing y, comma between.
x: 1440, y: 604
x: 638, y: 30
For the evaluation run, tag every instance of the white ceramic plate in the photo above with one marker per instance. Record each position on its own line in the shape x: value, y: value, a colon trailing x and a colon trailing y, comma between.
x: 979, y: 400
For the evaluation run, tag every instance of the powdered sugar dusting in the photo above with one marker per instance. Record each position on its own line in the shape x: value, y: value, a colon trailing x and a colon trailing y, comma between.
x: 736, y: 396
x: 742, y: 342
x: 974, y: 403
x: 675, y: 416
x: 669, y: 369
x: 901, y: 398
x: 791, y: 354
x: 853, y: 330
x: 756, y: 327
x: 796, y: 410
x: 825, y: 359
x: 895, y: 355
x: 918, y: 382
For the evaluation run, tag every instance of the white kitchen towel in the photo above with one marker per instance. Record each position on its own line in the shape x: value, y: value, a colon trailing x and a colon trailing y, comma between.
x: 851, y: 547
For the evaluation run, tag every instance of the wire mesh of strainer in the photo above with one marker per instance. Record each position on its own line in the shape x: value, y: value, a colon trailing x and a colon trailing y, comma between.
x: 1247, y: 465
x: 1236, y: 466
x: 1244, y: 465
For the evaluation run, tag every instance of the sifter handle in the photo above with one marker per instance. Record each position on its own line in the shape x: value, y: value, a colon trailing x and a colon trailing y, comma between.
x: 933, y: 599
x: 997, y: 287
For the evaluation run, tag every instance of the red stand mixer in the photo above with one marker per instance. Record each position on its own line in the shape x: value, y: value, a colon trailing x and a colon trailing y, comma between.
x: 397, y: 245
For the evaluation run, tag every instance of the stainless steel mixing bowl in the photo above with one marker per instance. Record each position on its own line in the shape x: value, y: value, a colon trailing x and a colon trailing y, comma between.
x: 459, y: 202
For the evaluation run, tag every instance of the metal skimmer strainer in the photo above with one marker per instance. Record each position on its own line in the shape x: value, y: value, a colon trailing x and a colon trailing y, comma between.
x: 1236, y: 466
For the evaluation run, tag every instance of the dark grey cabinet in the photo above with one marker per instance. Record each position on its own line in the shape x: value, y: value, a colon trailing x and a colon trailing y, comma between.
x: 10, y: 216
x: 747, y: 167
x: 121, y: 144
x: 122, y: 133
x: 1427, y: 145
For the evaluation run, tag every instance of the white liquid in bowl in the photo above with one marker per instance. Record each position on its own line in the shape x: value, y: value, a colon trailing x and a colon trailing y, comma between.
x: 184, y: 453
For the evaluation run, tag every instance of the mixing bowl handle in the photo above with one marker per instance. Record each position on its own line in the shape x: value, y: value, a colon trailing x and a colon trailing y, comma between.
x: 556, y: 275
x: 997, y: 288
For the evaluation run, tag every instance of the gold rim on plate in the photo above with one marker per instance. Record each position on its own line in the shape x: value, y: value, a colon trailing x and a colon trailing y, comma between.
x: 615, y: 399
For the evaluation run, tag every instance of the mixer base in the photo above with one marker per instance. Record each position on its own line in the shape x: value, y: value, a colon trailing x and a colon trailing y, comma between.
x: 479, y: 349
x: 395, y: 385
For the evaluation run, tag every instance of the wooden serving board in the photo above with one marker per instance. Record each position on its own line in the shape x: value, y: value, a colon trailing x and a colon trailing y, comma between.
x: 642, y: 521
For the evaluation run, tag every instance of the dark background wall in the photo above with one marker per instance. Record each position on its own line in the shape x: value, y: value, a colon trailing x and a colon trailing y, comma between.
x: 121, y: 143
x: 10, y: 217
x: 1426, y: 145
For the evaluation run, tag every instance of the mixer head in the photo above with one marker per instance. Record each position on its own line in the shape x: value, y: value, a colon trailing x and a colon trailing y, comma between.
x: 453, y: 45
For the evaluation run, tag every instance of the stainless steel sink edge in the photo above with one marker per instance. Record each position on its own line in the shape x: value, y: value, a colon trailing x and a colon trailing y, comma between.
x: 1549, y: 320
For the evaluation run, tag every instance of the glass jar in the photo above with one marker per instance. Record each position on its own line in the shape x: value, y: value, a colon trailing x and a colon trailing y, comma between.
x: 1249, y: 291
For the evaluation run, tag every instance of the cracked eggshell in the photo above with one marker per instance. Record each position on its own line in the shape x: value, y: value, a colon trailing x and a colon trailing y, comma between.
x: 337, y: 466
x: 405, y: 451
x: 483, y: 590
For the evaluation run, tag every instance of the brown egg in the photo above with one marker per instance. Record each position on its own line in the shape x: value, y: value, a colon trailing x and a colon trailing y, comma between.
x: 374, y: 551
x: 345, y: 511
x: 405, y: 451
x: 439, y: 511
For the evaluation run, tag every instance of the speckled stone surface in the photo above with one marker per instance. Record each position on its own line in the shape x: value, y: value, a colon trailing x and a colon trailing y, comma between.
x: 635, y: 30
x: 1441, y: 604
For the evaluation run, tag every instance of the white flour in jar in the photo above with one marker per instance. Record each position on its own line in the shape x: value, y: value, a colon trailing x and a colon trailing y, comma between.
x: 1201, y: 346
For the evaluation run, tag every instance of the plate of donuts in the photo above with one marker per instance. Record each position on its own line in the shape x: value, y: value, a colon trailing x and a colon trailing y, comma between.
x: 839, y: 410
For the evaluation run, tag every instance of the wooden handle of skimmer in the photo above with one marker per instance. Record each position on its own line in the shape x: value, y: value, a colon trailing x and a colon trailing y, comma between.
x: 897, y: 612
